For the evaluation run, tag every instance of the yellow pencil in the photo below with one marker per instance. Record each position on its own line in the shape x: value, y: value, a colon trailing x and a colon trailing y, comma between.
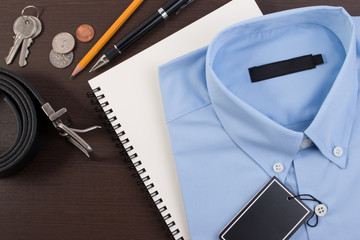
x: 106, y: 37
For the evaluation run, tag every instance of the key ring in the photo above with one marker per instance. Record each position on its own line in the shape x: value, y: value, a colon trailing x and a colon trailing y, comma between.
x: 27, y: 7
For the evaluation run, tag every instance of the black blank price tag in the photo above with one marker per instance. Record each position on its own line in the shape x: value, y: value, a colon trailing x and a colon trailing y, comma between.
x: 269, y: 215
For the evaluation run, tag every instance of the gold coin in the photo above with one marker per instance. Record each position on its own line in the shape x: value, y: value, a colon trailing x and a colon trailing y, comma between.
x: 85, y: 33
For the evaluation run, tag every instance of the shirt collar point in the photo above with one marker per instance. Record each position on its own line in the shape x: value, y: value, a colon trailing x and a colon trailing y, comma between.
x: 339, y: 161
x: 335, y: 154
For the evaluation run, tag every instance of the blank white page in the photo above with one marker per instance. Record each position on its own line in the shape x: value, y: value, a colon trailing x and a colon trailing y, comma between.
x: 132, y: 90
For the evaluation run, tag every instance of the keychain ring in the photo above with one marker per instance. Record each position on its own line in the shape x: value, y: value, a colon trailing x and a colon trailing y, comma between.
x: 27, y: 7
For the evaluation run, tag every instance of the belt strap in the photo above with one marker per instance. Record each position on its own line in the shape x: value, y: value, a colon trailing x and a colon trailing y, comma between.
x: 29, y: 107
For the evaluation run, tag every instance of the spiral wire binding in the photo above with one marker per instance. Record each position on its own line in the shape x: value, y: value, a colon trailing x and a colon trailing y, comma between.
x: 119, y: 136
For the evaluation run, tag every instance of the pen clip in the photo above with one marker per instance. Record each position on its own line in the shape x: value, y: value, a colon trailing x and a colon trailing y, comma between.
x: 184, y: 6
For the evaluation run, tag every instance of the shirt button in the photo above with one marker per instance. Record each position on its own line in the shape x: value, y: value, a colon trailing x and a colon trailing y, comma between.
x: 321, y: 210
x: 338, y: 151
x: 306, y: 143
x: 278, y: 167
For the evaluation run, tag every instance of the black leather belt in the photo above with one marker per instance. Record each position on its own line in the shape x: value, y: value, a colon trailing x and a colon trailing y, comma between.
x: 29, y: 107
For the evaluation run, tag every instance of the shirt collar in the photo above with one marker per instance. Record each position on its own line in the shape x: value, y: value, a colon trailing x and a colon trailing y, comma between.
x: 266, y: 141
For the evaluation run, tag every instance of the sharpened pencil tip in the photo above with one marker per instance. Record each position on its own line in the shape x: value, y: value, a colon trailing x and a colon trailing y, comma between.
x: 75, y: 72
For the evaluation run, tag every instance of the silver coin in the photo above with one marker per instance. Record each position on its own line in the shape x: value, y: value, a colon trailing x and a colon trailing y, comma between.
x: 63, y: 42
x: 61, y: 60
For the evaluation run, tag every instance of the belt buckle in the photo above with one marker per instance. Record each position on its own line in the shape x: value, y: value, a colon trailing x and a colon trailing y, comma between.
x: 67, y: 132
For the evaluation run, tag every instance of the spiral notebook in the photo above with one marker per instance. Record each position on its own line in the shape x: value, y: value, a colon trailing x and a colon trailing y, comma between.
x: 129, y: 95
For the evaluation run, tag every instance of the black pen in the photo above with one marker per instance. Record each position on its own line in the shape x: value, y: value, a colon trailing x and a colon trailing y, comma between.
x: 173, y: 6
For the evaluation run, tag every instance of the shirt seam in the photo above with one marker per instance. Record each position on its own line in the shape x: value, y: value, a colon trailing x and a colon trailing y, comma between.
x: 186, y: 113
x: 290, y: 124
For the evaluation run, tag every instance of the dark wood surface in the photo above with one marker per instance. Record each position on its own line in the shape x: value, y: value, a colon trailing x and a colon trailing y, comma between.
x: 62, y: 194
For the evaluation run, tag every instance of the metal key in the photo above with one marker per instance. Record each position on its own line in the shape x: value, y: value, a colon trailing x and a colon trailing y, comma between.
x: 28, y: 41
x: 23, y: 28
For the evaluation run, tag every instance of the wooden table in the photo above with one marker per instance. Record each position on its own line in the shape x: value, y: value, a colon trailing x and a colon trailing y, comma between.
x: 62, y: 194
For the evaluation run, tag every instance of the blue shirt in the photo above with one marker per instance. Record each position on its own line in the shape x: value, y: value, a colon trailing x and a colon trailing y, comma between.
x: 230, y: 136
